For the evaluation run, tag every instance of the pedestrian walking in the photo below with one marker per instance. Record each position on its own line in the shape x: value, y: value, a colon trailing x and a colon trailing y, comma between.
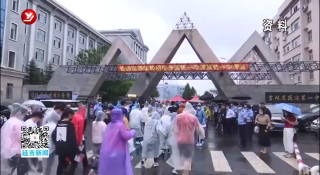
x: 201, y: 115
x: 263, y: 122
x: 145, y: 115
x: 98, y: 129
x: 136, y: 118
x: 114, y: 153
x: 290, y: 121
x: 65, y: 139
x: 97, y: 107
x: 242, y: 128
x: 11, y: 142
x: 222, y: 118
x: 249, y: 121
x: 151, y: 139
x: 230, y: 115
x: 166, y: 124
x: 159, y: 108
x: 51, y: 122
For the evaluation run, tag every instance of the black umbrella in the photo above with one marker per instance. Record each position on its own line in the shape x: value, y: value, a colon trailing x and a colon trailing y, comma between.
x: 220, y: 99
x: 241, y: 96
x: 43, y: 97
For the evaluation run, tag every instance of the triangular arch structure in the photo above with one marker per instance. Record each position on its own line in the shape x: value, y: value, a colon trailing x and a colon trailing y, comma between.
x: 167, y: 51
x: 256, y: 43
x: 88, y: 84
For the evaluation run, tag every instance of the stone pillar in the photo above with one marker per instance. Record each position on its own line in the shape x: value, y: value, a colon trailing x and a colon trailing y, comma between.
x: 50, y: 42
x: 87, y: 44
x: 32, y: 34
x: 65, y: 44
x: 77, y: 41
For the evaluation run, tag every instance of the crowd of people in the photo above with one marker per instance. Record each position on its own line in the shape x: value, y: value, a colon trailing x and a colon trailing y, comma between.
x: 172, y: 129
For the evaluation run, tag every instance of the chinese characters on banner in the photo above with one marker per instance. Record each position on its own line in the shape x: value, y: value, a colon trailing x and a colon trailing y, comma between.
x: 65, y: 95
x: 292, y: 97
x: 192, y: 67
x: 268, y: 24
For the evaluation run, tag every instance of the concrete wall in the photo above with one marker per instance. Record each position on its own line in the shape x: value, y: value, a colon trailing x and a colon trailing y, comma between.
x: 12, y: 77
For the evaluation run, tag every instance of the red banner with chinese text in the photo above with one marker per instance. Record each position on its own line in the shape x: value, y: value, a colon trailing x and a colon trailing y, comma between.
x: 187, y: 67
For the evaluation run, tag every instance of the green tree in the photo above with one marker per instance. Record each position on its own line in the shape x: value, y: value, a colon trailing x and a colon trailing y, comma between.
x: 48, y: 73
x: 112, y: 89
x: 34, y: 76
x: 187, y: 93
x: 155, y: 93
x: 207, y: 94
x: 193, y: 91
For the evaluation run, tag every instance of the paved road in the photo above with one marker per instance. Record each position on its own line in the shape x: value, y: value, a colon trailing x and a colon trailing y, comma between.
x: 221, y: 156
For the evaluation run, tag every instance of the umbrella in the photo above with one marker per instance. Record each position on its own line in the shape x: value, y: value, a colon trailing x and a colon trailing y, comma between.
x: 34, y: 104
x: 220, y: 99
x: 241, y: 96
x: 43, y: 97
x: 289, y: 108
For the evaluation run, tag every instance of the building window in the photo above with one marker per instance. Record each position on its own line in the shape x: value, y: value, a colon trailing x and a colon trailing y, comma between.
x: 70, y: 62
x: 307, y: 1
x: 27, y: 6
x: 70, y: 32
x: 39, y: 54
x: 310, y: 36
x: 81, y: 39
x: 310, y: 55
x: 57, y: 42
x: 309, y: 18
x: 42, y: 16
x: 91, y: 43
x: 57, y: 25
x: 295, y: 8
x: 56, y: 59
x: 15, y: 6
x: 296, y: 58
x: 286, y: 48
x: 288, y: 60
x: 11, y: 59
x: 311, y: 76
x: 99, y: 45
x: 296, y: 42
x: 295, y: 25
x: 13, y: 31
x: 70, y: 48
x: 24, y: 49
x: 9, y: 90
x: 25, y: 29
x: 41, y: 35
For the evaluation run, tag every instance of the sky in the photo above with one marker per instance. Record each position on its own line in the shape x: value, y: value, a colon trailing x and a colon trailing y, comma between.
x: 225, y: 25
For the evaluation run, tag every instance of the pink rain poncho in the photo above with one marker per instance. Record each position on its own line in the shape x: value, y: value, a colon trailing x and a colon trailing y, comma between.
x: 114, y: 153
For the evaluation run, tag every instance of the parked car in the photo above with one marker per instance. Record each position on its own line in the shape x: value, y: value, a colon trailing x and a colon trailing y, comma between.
x: 5, y: 113
x: 49, y: 104
x: 307, y: 117
x: 315, y: 126
x: 276, y: 121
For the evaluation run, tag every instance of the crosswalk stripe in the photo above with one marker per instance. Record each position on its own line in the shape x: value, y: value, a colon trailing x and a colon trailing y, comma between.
x: 291, y: 161
x: 313, y: 155
x: 220, y: 162
x: 147, y: 164
x: 259, y: 165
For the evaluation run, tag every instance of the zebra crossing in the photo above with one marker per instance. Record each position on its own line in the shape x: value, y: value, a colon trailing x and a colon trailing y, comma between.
x: 276, y: 163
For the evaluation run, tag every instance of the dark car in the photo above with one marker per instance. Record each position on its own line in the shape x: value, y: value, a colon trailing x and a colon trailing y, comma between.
x: 307, y: 117
x: 5, y: 113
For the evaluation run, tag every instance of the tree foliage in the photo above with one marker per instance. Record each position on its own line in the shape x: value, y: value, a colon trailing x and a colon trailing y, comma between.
x: 34, y: 75
x: 155, y: 93
x: 194, y: 92
x: 92, y: 56
x: 48, y: 73
x: 207, y: 94
x: 187, y: 93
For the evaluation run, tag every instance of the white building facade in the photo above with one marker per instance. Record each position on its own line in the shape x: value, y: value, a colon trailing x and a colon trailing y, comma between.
x: 168, y: 91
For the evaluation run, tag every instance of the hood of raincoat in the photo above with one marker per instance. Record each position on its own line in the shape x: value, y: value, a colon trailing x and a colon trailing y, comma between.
x: 101, y: 116
x: 166, y: 112
x: 136, y: 106
x: 155, y: 116
x: 150, y: 109
x: 173, y: 115
x: 118, y: 105
x: 18, y: 111
x: 146, y: 104
x: 82, y: 111
x: 182, y: 106
x: 116, y: 116
x: 189, y: 109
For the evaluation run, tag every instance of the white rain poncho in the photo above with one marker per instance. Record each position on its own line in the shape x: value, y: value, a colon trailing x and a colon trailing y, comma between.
x: 145, y: 115
x: 159, y: 108
x: 173, y: 115
x: 166, y: 125
x: 11, y: 137
x: 184, y: 126
x: 136, y: 118
x: 52, y: 119
x: 151, y: 139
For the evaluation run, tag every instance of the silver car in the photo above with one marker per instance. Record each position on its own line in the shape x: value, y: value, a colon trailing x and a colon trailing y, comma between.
x: 315, y: 125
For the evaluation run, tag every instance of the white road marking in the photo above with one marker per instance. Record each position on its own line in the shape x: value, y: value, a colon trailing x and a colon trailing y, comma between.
x: 313, y: 155
x: 291, y: 161
x: 259, y: 165
x: 89, y: 154
x: 220, y: 162
x: 147, y: 164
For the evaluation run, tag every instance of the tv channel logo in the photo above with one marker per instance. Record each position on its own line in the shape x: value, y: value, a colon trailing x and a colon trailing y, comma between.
x: 29, y: 16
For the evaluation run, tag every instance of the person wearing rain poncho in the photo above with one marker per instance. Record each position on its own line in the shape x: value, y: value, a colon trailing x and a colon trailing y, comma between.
x: 51, y: 121
x: 125, y: 119
x: 159, y: 108
x: 11, y: 142
x: 145, y: 115
x: 136, y: 119
x: 151, y: 139
x: 98, y: 128
x: 114, y: 153
x: 166, y: 124
x: 182, y: 139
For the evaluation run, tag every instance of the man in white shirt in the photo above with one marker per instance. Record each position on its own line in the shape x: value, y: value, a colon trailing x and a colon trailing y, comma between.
x: 229, y: 117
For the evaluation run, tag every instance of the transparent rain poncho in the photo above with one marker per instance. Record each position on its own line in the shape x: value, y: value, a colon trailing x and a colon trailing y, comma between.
x: 136, y: 119
x: 114, y: 153
x: 184, y: 126
x: 159, y: 108
x: 11, y: 139
x: 166, y: 124
x: 151, y: 139
x: 144, y: 111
